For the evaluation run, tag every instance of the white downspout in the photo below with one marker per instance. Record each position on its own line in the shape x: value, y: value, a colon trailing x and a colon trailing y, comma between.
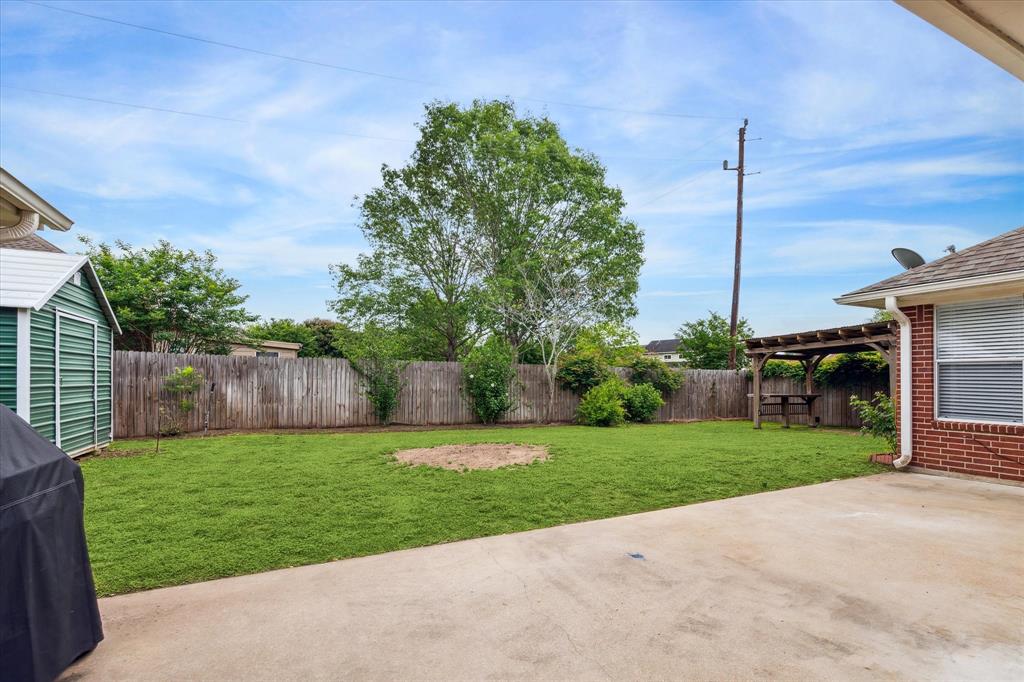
x: 906, y: 385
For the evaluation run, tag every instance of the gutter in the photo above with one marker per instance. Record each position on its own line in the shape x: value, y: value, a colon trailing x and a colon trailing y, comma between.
x: 870, y: 298
x: 25, y: 227
x: 906, y: 386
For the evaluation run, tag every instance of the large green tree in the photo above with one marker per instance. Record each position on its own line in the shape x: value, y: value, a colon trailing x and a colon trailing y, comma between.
x: 418, y: 276
x: 169, y: 299
x: 325, y: 336
x: 705, y: 343
x: 552, y: 245
x: 494, y: 226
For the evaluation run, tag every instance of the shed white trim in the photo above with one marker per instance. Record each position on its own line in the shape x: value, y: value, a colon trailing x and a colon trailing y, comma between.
x: 28, y: 279
x: 23, y: 371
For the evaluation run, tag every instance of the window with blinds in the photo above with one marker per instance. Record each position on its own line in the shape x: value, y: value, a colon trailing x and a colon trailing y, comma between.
x: 979, y: 360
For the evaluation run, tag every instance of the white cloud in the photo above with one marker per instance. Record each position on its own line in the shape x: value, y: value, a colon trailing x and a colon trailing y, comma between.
x: 860, y: 105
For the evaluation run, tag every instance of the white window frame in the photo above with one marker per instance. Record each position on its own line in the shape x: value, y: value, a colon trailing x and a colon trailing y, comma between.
x: 936, y: 388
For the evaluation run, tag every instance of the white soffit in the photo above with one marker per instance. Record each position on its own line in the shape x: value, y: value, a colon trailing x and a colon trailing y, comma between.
x: 992, y: 28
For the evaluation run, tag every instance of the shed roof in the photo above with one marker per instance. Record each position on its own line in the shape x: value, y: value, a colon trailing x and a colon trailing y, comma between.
x: 28, y: 279
x: 1002, y: 254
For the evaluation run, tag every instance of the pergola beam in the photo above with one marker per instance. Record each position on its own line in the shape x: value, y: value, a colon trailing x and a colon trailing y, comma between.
x: 810, y: 348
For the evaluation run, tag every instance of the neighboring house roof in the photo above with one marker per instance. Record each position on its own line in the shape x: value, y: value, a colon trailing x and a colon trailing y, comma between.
x: 998, y: 259
x: 261, y: 343
x: 28, y: 279
x: 33, y: 242
x: 663, y: 346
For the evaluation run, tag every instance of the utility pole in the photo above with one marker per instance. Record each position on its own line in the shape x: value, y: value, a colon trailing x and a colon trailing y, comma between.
x: 740, y: 172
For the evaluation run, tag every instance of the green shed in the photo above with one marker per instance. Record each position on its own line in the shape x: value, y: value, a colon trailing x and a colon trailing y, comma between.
x: 56, y: 343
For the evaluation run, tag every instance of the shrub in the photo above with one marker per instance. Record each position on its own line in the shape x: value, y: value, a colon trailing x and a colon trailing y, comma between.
x: 488, y: 375
x: 853, y: 369
x: 789, y: 369
x: 580, y: 372
x: 183, y: 384
x: 845, y: 369
x: 656, y: 373
x: 603, y: 404
x: 375, y: 353
x: 878, y: 417
x: 382, y: 384
x: 642, y: 402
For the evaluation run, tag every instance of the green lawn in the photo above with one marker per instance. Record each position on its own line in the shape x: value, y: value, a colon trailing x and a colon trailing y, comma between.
x: 229, y: 505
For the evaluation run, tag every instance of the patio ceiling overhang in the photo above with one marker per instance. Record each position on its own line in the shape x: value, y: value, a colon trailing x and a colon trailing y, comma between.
x: 992, y: 28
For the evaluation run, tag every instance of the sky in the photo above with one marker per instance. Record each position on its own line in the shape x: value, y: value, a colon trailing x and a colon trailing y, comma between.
x: 874, y: 130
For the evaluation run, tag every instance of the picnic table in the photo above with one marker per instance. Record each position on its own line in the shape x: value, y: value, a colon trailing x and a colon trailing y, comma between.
x: 780, y: 403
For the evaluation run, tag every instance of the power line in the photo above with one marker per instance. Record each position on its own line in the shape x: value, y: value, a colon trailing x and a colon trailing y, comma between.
x: 125, y: 104
x: 197, y: 115
x: 364, y: 72
x: 711, y: 139
x: 676, y: 188
x: 233, y: 119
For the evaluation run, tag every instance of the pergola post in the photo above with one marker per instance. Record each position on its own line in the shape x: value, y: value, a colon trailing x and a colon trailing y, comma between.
x: 757, y: 362
x: 810, y: 367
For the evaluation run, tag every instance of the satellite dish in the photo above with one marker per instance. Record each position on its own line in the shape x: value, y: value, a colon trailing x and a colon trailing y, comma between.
x: 907, y: 258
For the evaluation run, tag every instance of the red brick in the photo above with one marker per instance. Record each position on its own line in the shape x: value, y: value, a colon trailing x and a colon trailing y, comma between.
x: 995, y: 450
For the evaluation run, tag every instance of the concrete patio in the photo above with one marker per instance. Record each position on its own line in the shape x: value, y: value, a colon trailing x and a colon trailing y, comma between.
x: 895, y: 576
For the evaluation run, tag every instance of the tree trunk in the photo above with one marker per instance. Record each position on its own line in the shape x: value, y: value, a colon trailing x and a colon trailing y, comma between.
x: 549, y: 411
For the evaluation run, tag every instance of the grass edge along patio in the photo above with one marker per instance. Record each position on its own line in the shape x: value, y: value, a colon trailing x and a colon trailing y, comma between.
x: 229, y: 505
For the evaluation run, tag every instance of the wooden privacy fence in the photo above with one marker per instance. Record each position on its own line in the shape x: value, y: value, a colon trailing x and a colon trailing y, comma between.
x: 253, y: 393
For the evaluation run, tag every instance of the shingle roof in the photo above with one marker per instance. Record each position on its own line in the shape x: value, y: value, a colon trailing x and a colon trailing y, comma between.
x: 28, y: 279
x: 1004, y: 253
x: 663, y: 346
x: 33, y: 242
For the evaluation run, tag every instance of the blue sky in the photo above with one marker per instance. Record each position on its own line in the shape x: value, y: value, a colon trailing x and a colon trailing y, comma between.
x: 878, y: 131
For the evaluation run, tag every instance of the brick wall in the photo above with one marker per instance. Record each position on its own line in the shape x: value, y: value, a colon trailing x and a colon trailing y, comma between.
x: 995, y: 450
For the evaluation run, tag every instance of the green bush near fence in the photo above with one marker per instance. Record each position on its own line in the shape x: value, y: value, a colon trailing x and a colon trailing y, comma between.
x: 642, y: 402
x: 489, y: 375
x: 843, y: 370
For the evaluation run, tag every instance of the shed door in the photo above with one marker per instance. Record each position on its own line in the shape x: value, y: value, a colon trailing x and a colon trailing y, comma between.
x: 76, y: 382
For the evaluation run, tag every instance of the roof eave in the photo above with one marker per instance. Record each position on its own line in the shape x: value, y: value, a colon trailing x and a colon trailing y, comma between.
x: 988, y: 35
x: 23, y: 197
x: 876, y: 298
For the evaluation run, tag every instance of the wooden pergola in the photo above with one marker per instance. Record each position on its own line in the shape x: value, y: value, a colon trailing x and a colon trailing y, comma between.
x: 810, y: 348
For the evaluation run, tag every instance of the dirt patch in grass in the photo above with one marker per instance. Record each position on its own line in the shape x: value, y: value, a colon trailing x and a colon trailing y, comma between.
x: 111, y: 453
x: 473, y: 456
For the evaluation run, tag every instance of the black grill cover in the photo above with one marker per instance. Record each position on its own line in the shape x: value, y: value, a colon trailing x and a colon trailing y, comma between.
x: 48, y: 611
